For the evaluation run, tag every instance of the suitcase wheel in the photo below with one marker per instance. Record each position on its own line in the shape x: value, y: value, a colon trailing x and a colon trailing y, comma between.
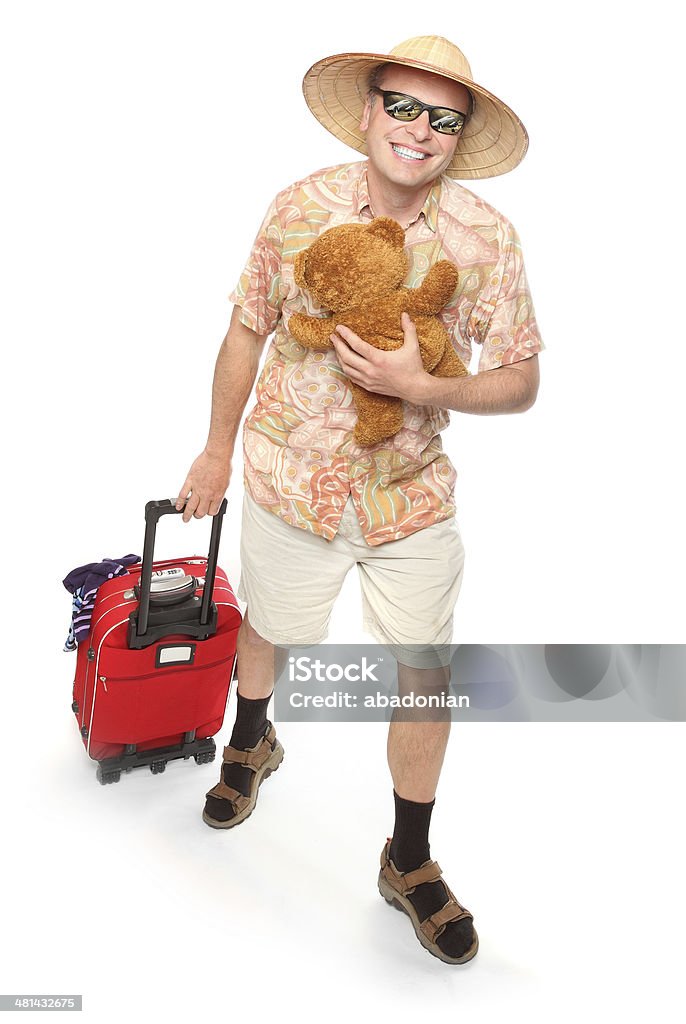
x: 107, y: 775
x: 157, y: 767
x: 205, y: 757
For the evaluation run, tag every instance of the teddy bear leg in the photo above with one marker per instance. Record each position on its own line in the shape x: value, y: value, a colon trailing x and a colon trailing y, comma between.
x: 431, y: 339
x: 450, y: 364
x: 378, y: 416
x: 438, y: 355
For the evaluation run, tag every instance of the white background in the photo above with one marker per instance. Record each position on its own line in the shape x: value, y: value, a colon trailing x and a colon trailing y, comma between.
x: 142, y: 143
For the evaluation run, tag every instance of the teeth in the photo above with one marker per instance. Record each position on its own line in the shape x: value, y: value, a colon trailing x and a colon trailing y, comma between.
x: 411, y: 153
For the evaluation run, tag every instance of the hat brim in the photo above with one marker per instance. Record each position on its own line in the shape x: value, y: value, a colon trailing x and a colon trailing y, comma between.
x: 493, y: 141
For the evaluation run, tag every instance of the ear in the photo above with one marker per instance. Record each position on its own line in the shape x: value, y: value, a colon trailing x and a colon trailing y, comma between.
x: 389, y: 230
x: 364, y: 120
x: 299, y: 265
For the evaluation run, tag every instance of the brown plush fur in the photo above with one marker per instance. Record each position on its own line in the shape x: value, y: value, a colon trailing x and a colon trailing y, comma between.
x: 357, y: 270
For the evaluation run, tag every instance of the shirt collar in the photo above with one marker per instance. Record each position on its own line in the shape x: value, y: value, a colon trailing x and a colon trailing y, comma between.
x: 429, y: 210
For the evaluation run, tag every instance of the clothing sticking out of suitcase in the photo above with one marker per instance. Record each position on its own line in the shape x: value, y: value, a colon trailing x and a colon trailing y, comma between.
x: 153, y: 678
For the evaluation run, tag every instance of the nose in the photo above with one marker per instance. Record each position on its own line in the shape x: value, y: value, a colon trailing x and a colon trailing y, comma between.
x: 420, y: 128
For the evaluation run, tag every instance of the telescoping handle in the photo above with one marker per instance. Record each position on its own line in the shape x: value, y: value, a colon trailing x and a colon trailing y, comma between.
x: 154, y: 510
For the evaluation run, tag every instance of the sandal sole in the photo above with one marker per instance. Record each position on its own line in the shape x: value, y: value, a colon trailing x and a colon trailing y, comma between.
x: 403, y: 904
x: 264, y: 772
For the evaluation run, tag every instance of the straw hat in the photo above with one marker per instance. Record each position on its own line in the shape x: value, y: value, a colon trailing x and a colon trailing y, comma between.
x: 493, y: 141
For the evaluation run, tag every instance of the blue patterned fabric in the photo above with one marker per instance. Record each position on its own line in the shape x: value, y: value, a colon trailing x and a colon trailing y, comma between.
x: 84, y: 582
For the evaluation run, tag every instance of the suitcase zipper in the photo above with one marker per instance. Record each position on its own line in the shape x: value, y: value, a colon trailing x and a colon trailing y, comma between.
x: 154, y: 675
x: 95, y: 682
x: 92, y: 634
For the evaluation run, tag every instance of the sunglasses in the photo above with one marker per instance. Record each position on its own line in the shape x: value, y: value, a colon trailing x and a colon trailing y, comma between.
x: 407, y: 108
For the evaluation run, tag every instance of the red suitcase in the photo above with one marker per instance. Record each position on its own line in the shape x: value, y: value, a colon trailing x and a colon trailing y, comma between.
x: 153, y: 678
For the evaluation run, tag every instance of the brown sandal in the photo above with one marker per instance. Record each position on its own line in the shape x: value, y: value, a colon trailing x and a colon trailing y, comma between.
x: 395, y: 886
x: 263, y: 759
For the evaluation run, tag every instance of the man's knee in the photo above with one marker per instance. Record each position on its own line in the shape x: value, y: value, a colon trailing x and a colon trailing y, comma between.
x: 249, y: 635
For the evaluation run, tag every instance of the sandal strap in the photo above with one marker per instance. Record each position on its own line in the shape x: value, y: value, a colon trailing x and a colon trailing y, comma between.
x: 253, y: 757
x: 452, y: 911
x: 224, y: 792
x: 406, y: 882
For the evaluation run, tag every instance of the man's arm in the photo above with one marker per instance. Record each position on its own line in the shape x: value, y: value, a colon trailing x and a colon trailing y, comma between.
x: 400, y: 373
x: 234, y: 377
x: 511, y: 388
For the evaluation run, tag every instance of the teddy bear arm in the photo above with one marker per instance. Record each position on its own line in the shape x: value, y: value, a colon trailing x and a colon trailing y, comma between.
x: 435, y: 290
x: 311, y: 331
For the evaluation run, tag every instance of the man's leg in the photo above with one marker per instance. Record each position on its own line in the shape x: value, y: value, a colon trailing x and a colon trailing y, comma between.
x: 258, y: 664
x: 410, y: 588
x: 289, y: 581
x: 417, y: 742
x: 256, y: 669
x: 416, y: 748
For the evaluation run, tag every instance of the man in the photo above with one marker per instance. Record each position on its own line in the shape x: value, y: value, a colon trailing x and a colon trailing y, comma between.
x: 316, y: 503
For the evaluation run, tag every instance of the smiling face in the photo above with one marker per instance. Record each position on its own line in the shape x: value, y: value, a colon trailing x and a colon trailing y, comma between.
x: 410, y: 154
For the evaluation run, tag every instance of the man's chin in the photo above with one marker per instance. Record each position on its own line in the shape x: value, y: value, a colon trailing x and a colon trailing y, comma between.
x: 413, y: 177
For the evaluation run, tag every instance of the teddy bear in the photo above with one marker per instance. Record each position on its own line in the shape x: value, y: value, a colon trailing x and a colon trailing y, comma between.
x: 356, y: 271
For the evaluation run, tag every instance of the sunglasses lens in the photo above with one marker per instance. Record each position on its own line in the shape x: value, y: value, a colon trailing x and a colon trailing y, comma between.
x: 404, y: 108
x: 446, y: 121
x: 407, y: 108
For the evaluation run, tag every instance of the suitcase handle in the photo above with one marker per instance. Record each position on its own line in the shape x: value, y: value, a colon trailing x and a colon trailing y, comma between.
x: 154, y: 510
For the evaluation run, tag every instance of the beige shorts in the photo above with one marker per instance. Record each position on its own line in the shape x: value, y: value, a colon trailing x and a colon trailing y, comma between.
x: 290, y: 579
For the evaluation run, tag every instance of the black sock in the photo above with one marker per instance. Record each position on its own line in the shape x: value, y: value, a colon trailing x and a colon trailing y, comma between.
x: 251, y: 719
x: 249, y: 728
x: 410, y: 845
x: 409, y: 850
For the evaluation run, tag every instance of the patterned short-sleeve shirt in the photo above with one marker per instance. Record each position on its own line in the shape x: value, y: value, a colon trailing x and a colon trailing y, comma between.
x: 301, y: 460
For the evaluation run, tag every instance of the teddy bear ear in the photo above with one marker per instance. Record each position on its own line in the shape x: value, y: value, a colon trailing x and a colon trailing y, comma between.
x: 299, y: 266
x: 388, y: 229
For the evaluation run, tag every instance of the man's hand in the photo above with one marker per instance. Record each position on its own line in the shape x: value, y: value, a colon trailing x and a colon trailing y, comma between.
x: 205, y: 486
x: 399, y: 373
